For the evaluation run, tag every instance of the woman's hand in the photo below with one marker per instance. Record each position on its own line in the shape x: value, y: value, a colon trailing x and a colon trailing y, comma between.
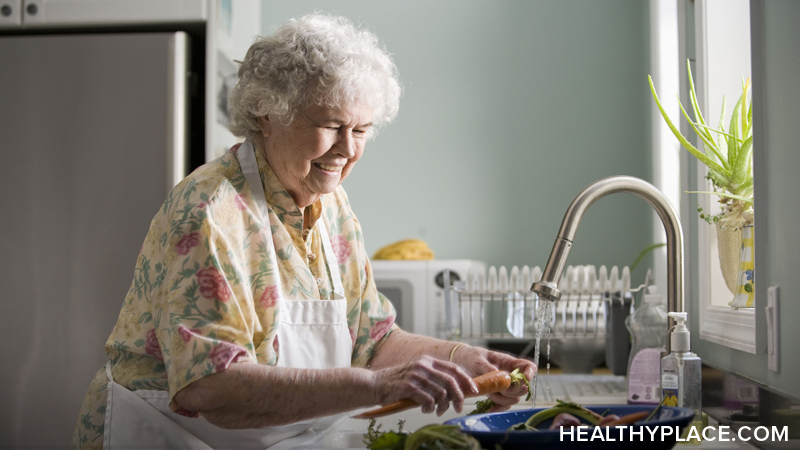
x: 430, y: 382
x: 477, y: 361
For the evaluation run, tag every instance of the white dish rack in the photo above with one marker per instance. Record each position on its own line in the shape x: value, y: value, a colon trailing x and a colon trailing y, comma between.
x: 501, y: 305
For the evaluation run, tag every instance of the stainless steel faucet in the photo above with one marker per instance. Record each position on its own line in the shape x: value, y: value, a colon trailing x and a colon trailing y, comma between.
x: 547, y: 287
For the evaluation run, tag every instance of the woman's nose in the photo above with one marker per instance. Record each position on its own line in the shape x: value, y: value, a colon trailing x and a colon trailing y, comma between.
x: 345, y: 144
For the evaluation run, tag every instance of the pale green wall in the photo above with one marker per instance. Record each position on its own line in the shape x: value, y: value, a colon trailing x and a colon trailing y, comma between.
x: 776, y: 190
x: 510, y: 108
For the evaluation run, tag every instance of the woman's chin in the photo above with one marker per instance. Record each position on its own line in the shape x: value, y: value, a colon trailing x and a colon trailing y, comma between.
x: 327, y: 184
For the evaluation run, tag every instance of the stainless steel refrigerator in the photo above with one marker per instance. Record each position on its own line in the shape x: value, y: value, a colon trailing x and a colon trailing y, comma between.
x: 93, y: 131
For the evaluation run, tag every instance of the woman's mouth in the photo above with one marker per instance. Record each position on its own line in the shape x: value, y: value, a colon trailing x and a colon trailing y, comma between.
x: 329, y: 168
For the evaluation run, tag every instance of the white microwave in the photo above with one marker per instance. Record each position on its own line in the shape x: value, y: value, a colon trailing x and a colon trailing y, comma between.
x: 416, y: 290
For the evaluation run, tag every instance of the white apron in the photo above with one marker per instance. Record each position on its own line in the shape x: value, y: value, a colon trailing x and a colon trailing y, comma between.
x: 311, y: 334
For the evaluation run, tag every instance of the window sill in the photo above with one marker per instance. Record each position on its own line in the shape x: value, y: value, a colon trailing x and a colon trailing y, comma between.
x: 734, y: 328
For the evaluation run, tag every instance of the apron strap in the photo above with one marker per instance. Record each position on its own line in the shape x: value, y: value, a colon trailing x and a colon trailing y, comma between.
x: 108, y: 372
x: 247, y: 160
x: 249, y: 165
x: 331, y: 260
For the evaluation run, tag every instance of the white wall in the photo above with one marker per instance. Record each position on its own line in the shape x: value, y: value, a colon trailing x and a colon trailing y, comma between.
x: 510, y: 109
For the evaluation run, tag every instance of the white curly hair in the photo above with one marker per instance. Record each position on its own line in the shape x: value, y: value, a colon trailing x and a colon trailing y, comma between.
x: 314, y: 59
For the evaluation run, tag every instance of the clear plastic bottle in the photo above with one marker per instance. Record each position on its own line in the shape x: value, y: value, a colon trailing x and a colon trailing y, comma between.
x: 681, y: 373
x: 648, y: 328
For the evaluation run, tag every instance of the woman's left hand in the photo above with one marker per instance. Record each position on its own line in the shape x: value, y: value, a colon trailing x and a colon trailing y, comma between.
x: 477, y: 361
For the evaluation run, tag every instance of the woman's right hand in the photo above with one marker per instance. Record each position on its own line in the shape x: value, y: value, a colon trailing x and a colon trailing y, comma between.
x: 430, y: 382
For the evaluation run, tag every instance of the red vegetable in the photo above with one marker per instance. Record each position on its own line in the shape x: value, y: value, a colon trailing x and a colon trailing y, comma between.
x: 628, y: 419
x: 488, y: 383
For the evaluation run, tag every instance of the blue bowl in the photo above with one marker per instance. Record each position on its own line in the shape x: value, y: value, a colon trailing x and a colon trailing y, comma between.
x: 491, y: 429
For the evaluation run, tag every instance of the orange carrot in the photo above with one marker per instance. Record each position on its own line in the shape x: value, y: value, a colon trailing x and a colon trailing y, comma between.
x: 492, y: 382
x: 488, y: 383
x: 628, y: 419
x: 391, y: 408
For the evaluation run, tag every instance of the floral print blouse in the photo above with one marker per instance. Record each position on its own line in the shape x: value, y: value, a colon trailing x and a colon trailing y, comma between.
x: 204, y: 292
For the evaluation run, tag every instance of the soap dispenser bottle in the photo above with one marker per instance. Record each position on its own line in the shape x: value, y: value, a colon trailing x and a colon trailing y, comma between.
x: 648, y: 329
x: 681, y: 372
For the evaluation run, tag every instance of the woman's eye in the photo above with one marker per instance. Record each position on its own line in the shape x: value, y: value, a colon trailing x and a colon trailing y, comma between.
x: 359, y: 132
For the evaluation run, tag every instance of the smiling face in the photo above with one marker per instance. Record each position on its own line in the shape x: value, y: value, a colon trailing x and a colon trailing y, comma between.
x: 315, y: 153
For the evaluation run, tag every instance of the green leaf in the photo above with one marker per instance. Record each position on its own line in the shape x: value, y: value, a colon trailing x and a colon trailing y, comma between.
x: 285, y: 254
x: 214, y: 315
x: 686, y: 144
x: 744, y: 114
x: 721, y: 116
x: 389, y: 441
x: 740, y: 171
x: 733, y: 144
x: 139, y: 342
x: 693, y: 95
x: 361, y: 340
x: 717, y: 178
x: 352, y: 315
x: 644, y: 253
x: 146, y: 317
x: 482, y: 407
x: 718, y: 131
x: 702, y: 133
x: 746, y: 188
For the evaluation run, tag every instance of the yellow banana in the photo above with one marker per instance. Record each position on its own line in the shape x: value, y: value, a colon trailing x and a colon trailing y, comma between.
x: 408, y: 249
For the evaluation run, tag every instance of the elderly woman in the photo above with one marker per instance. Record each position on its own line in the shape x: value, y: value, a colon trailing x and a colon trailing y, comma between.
x: 253, y: 314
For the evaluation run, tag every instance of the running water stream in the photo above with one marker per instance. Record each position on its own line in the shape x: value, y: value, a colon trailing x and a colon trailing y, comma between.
x: 542, y: 320
x: 549, y: 334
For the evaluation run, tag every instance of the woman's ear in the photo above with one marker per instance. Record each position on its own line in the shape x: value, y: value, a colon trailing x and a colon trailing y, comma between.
x: 265, y: 125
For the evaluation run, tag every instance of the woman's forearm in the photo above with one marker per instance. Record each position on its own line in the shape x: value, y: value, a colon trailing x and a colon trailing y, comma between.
x: 401, y: 347
x: 405, y: 366
x: 250, y: 395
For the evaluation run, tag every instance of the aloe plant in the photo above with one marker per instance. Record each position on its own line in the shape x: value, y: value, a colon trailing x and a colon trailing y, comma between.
x: 729, y: 153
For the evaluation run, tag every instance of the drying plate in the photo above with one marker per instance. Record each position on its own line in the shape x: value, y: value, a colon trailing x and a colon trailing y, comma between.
x: 491, y: 429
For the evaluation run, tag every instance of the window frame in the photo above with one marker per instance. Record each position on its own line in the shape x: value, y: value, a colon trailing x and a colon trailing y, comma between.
x: 723, y: 325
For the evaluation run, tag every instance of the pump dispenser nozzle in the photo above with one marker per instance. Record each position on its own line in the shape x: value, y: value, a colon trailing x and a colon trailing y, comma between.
x: 680, y: 339
x: 652, y: 295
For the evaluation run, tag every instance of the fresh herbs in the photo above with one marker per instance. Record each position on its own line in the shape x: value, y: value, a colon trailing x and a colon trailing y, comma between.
x: 516, y: 378
x: 482, y: 407
x: 375, y: 439
x: 430, y: 437
x: 663, y: 399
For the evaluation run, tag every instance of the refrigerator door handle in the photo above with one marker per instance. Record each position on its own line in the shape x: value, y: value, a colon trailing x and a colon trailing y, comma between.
x: 177, y: 108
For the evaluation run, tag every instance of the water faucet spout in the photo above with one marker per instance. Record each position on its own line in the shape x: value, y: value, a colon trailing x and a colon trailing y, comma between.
x: 547, y: 287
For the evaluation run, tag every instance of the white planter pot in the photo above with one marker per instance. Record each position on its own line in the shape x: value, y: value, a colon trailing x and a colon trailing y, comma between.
x: 735, y: 244
x: 729, y: 243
